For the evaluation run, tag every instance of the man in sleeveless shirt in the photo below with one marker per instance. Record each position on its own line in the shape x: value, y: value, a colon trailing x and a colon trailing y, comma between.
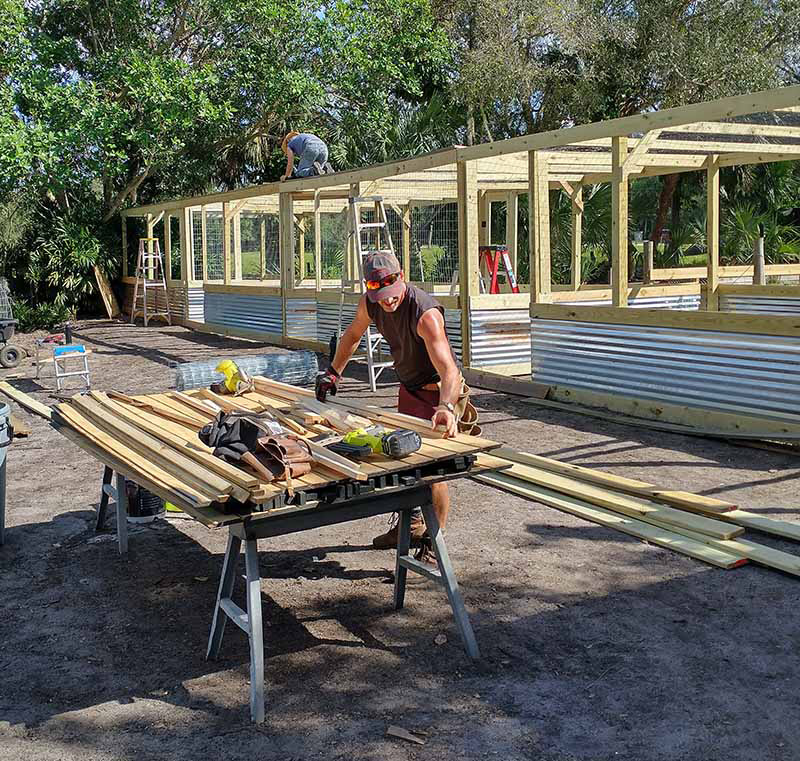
x: 412, y: 323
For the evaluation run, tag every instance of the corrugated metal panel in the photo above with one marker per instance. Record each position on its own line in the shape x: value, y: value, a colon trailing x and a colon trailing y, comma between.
x: 499, y: 337
x: 328, y: 323
x: 759, y: 305
x: 689, y: 302
x: 241, y: 310
x: 731, y: 372
x: 452, y: 326
x: 196, y: 301
x: 301, y: 318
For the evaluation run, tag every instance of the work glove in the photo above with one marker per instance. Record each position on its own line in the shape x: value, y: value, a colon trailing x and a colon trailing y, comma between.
x: 326, y: 383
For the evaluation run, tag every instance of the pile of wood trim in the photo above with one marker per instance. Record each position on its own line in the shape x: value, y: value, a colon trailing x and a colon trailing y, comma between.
x: 153, y: 440
x: 701, y: 527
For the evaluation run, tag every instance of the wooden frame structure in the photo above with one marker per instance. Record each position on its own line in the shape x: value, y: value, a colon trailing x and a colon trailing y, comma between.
x: 494, y: 331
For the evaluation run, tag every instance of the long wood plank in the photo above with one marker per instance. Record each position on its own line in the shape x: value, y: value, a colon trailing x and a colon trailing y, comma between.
x: 157, y: 408
x: 635, y: 507
x: 26, y: 401
x: 139, y: 464
x: 184, y: 468
x: 758, y: 553
x: 767, y: 525
x: 208, y: 516
x: 663, y: 537
x: 683, y: 499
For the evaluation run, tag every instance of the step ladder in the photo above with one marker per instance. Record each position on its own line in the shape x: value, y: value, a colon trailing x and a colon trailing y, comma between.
x: 379, y: 229
x: 150, y: 277
x: 492, y: 257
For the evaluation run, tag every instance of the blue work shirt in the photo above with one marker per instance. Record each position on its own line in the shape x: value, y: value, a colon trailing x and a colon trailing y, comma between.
x: 298, y: 142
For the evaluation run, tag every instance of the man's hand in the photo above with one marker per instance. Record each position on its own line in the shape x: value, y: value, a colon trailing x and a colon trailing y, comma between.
x: 443, y: 417
x: 283, y: 178
x: 326, y: 383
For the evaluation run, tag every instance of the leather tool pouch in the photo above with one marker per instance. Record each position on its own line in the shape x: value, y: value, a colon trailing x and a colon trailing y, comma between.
x: 286, y: 456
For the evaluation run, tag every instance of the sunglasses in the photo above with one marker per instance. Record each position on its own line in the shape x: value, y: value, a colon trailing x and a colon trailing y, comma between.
x: 373, y: 285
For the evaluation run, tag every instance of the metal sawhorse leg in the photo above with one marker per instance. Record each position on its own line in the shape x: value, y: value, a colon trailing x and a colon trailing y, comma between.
x: 445, y: 576
x: 250, y: 620
x: 120, y: 497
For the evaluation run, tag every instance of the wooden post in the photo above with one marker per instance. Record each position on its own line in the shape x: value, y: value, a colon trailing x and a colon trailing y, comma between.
x: 187, y: 260
x: 647, y: 263
x: 168, y: 246
x: 286, y: 251
x: 226, y: 244
x: 759, y: 262
x: 237, y: 246
x: 468, y: 236
x: 511, y: 228
x: 406, y: 235
x: 539, y: 228
x: 262, y: 249
x: 317, y: 243
x: 150, y: 270
x: 124, y: 247
x: 619, y: 222
x: 576, y: 242
x: 483, y: 218
x: 204, y: 242
x: 712, y: 233
x: 301, y: 244
x: 353, y: 265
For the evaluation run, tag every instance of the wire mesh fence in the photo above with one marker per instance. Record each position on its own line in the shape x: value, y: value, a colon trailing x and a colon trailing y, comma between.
x: 175, y: 247
x: 434, y: 242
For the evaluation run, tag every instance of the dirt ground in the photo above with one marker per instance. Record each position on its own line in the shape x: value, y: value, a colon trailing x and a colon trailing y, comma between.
x: 594, y: 645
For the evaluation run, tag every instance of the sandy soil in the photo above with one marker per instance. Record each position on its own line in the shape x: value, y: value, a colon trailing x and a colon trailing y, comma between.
x: 594, y: 645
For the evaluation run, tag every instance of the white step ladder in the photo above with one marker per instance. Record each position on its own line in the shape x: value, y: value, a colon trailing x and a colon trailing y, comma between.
x: 150, y: 277
x: 355, y: 228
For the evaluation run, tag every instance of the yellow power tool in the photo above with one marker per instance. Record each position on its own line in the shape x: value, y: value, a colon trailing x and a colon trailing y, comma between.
x: 394, y: 444
x: 236, y: 382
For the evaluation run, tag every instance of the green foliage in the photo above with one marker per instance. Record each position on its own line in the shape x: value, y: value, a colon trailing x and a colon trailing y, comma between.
x: 32, y: 317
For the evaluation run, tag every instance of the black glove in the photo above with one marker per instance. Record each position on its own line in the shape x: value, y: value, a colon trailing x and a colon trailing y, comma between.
x: 326, y: 383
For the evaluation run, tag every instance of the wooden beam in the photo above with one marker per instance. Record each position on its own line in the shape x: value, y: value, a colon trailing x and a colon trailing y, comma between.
x: 286, y: 252
x: 168, y: 246
x: 619, y: 223
x: 26, y: 401
x: 576, y: 238
x: 512, y: 209
x: 204, y: 242
x: 406, y: 236
x: 539, y: 228
x: 637, y: 154
x: 226, y: 245
x: 237, y: 246
x: 731, y: 128
x: 124, y: 247
x: 235, y: 208
x: 719, y: 146
x: 712, y: 234
x: 468, y: 235
x: 317, y: 243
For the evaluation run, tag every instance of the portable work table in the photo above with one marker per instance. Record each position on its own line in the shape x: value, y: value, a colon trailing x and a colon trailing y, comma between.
x: 152, y: 440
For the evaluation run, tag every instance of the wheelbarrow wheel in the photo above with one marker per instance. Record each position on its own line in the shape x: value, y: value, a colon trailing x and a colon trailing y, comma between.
x: 10, y: 355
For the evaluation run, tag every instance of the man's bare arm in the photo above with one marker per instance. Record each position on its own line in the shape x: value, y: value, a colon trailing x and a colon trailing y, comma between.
x: 351, y: 337
x: 431, y: 329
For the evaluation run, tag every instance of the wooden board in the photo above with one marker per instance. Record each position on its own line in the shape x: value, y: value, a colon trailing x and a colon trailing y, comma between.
x: 504, y: 383
x: 635, y: 507
x: 656, y: 535
x: 106, y: 293
x: 28, y: 402
x: 683, y: 499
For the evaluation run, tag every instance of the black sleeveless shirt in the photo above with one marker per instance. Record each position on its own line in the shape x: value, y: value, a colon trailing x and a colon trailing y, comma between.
x: 411, y: 360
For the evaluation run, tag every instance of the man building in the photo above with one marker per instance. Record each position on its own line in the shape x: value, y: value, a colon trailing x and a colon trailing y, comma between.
x: 412, y: 323
x: 311, y: 152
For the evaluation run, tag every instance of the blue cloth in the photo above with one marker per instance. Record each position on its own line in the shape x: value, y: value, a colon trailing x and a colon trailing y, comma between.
x: 308, y: 149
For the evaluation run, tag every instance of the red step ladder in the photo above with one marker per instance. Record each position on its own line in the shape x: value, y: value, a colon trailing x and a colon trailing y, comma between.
x: 492, y: 256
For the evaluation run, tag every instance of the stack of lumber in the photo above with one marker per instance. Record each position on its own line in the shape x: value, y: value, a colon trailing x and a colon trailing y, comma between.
x: 702, y: 527
x: 153, y: 440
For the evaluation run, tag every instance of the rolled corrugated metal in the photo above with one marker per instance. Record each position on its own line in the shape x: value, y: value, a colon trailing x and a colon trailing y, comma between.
x: 241, y: 310
x: 301, y: 318
x: 759, y: 305
x: 730, y: 372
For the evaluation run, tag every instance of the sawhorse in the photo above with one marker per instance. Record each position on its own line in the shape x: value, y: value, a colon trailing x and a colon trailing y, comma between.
x: 120, y: 497
x: 251, y: 530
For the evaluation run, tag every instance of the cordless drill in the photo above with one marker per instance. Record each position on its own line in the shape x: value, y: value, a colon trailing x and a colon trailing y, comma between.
x: 394, y: 444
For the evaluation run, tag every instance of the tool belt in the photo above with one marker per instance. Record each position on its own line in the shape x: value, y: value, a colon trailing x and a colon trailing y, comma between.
x: 258, y: 442
x: 463, y: 409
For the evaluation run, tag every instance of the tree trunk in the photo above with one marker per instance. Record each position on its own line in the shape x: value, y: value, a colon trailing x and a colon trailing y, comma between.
x: 676, y: 203
x: 664, y: 203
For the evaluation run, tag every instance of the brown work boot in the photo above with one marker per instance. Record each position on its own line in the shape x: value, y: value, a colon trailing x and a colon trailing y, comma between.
x: 426, y: 555
x: 388, y: 540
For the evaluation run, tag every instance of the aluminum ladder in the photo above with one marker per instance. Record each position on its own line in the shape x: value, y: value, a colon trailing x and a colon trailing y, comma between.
x: 150, y: 277
x: 355, y: 229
